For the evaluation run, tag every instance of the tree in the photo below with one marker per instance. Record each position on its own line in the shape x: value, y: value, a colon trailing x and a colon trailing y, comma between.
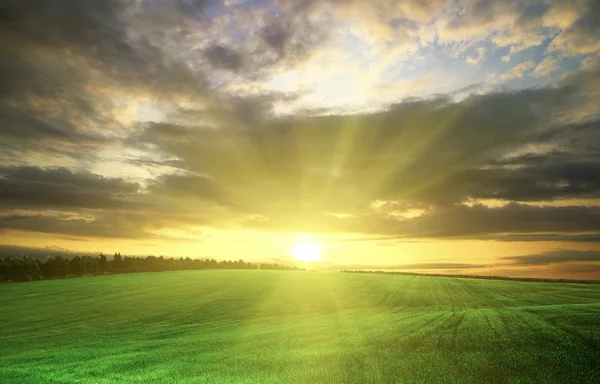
x: 117, y: 262
x: 62, y: 267
x: 4, y: 270
x: 102, y: 264
x: 49, y: 268
x: 33, y: 269
x: 28, y: 268
x: 76, y: 266
x: 89, y: 265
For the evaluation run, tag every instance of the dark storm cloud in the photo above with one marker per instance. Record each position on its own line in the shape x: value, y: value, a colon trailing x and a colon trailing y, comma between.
x: 188, y: 186
x: 437, y: 266
x: 18, y: 125
x: 558, y: 237
x: 292, y: 37
x: 547, y: 177
x: 64, y: 61
x: 110, y: 227
x: 65, y: 176
x: 583, y: 138
x: 578, y: 268
x: 429, y: 154
x: 34, y: 187
x: 13, y: 251
x: 295, y: 170
x: 267, y: 38
x: 555, y: 257
x: 451, y: 222
x: 566, y: 172
x: 569, y: 171
x: 83, y: 23
x: 60, y: 58
x: 582, y: 36
x: 410, y: 152
x: 460, y: 221
x: 225, y: 58
x: 478, y: 220
x: 86, y: 204
x: 31, y: 29
x: 96, y: 30
x: 416, y: 266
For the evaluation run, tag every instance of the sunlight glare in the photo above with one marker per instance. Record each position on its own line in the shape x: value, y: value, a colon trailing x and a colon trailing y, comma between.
x: 306, y: 251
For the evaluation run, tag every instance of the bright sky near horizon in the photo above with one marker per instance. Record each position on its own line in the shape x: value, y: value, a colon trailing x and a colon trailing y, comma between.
x: 458, y: 136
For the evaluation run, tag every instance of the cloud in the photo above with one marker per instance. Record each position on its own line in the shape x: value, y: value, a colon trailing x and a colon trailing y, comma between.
x: 88, y: 36
x: 518, y: 70
x: 586, y: 269
x: 295, y: 170
x: 70, y: 69
x: 569, y: 28
x: 477, y: 58
x: 40, y: 253
x: 555, y: 257
x: 439, y: 266
x: 581, y: 37
x: 546, y: 66
x: 189, y: 188
x: 532, y: 178
x: 591, y: 62
x: 556, y: 237
x: 475, y: 221
x: 34, y: 187
x: 203, y: 85
x: 421, y: 266
x: 222, y: 57
x: 284, y: 153
x: 102, y: 227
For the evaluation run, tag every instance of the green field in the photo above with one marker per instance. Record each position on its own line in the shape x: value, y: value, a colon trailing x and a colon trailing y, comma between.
x: 297, y: 327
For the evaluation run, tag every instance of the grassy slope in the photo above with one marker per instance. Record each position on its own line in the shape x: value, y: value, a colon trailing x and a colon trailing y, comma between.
x: 276, y: 327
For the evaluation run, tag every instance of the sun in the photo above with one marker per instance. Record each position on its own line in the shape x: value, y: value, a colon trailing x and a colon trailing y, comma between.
x: 306, y: 251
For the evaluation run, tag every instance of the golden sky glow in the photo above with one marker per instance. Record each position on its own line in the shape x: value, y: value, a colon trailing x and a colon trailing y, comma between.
x: 439, y: 136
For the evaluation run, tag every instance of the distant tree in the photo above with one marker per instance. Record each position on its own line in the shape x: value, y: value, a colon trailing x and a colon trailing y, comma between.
x: 102, y: 264
x: 9, y: 274
x: 128, y: 264
x: 62, y: 267
x: 76, y: 266
x: 49, y: 268
x: 117, y: 263
x: 24, y: 269
x: 28, y: 268
x: 4, y: 270
x: 89, y: 265
x: 33, y: 269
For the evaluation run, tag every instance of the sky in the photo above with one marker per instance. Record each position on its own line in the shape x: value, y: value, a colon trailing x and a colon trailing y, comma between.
x: 454, y: 136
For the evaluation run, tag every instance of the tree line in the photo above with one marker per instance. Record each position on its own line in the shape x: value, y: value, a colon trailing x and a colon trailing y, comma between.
x: 30, y: 269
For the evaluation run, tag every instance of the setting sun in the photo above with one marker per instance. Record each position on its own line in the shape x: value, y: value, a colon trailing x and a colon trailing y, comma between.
x: 306, y: 251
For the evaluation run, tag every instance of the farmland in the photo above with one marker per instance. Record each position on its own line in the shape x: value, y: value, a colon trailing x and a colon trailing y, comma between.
x: 297, y: 327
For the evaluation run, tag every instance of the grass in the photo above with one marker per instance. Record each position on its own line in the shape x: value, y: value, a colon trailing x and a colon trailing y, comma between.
x: 297, y: 327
